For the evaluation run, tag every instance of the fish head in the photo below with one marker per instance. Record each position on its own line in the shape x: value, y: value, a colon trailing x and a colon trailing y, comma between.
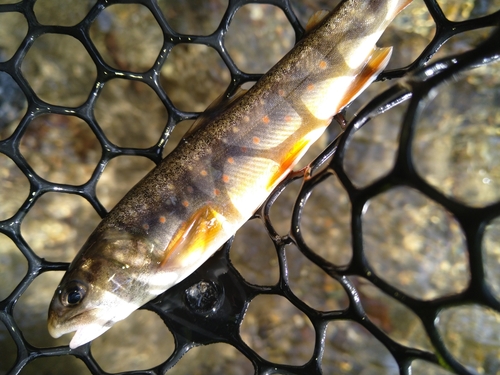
x: 100, y: 288
x: 74, y: 308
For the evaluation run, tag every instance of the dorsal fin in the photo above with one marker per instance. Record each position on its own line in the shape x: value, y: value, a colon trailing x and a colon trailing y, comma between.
x: 214, y: 109
x: 315, y: 19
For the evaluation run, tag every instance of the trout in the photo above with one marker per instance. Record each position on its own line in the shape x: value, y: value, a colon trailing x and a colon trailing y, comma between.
x: 240, y: 149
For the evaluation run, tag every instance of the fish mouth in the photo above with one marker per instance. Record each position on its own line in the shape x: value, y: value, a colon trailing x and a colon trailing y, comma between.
x: 84, y: 332
x: 88, y: 320
x: 56, y: 329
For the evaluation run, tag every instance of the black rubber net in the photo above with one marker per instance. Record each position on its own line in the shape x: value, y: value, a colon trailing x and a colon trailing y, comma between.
x: 382, y: 258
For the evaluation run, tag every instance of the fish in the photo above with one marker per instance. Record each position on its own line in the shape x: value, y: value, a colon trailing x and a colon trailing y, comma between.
x: 223, y: 169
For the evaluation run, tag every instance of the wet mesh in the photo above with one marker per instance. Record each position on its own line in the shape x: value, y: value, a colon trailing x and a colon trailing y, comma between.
x: 209, y: 306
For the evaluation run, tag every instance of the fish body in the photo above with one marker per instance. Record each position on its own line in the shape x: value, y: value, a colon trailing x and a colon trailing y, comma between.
x: 211, y: 184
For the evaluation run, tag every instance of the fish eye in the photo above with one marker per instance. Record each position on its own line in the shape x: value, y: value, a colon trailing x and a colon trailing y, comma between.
x: 72, y: 293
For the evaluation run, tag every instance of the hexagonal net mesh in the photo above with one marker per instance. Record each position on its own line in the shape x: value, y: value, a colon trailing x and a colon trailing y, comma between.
x: 384, y: 257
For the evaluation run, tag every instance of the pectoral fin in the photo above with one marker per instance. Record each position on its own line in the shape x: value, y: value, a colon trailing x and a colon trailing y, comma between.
x: 374, y: 66
x: 191, y: 239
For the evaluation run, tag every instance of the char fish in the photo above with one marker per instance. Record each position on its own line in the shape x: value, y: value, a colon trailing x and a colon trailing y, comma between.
x: 175, y: 218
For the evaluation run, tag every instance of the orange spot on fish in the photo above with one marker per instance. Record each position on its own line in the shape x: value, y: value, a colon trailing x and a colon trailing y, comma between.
x: 322, y: 64
x: 310, y: 87
x: 288, y: 118
x: 265, y: 119
x: 256, y: 140
x: 190, y: 189
x: 216, y: 192
x: 185, y: 203
x: 145, y: 226
x: 243, y: 149
x: 225, y: 178
x: 246, y: 118
x: 281, y: 92
x: 235, y: 129
x: 230, y: 160
x: 162, y: 219
x: 204, y: 173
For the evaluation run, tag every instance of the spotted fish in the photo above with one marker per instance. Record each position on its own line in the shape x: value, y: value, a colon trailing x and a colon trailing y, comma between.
x: 211, y: 184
